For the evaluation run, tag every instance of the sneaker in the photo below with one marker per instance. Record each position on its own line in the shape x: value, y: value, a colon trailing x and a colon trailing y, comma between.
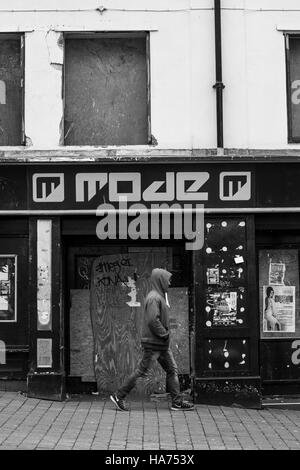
x: 183, y: 406
x: 119, y: 402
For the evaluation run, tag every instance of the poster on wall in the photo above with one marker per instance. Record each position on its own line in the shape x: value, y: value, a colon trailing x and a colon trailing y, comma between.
x: 222, y: 307
x: 279, y: 311
x: 8, y: 270
x: 279, y: 300
x: 213, y: 275
x: 44, y: 352
x: 44, y: 275
x: 276, y: 274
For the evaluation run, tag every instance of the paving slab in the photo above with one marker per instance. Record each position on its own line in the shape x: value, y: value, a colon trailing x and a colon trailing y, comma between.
x: 89, y: 422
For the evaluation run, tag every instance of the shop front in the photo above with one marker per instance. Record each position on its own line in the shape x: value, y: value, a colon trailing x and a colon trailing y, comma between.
x: 79, y: 241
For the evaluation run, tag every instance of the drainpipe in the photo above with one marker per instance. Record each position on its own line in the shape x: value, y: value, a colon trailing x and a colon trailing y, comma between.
x: 219, y: 84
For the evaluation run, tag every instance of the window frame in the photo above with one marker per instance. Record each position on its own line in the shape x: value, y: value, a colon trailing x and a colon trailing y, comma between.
x: 21, y: 37
x: 109, y: 34
x: 291, y: 138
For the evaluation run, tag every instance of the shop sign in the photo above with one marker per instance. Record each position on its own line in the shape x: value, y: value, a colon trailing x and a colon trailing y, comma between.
x: 74, y: 189
x: 85, y: 187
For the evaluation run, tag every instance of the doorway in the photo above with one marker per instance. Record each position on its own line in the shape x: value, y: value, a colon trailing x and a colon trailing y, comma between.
x: 106, y: 288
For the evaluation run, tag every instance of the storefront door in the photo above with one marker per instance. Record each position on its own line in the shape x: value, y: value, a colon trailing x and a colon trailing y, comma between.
x: 107, y: 286
x: 279, y: 311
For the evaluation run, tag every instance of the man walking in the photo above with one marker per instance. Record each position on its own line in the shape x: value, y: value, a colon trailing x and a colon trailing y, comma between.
x: 155, y: 342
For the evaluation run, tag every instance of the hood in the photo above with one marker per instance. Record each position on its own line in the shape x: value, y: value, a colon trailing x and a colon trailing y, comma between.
x: 160, y: 280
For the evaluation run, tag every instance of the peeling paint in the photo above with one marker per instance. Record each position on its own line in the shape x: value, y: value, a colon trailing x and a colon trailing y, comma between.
x: 154, y: 141
x: 60, y: 40
x: 54, y: 43
x: 57, y: 67
x: 28, y: 141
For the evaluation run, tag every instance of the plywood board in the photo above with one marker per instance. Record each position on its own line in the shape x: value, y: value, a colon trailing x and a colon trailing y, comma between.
x: 105, y: 329
x: 179, y: 327
x: 116, y: 325
x: 81, y: 336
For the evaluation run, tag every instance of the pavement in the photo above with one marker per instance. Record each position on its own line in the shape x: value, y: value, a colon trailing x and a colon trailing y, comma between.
x: 90, y: 422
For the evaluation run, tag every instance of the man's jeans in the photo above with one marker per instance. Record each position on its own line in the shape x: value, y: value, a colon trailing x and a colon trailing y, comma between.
x: 167, y: 362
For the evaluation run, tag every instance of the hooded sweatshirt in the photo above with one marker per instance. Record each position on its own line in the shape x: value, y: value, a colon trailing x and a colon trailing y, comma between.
x: 155, y: 332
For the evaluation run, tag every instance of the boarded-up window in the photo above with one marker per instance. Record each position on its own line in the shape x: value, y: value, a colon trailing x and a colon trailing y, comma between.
x: 11, y: 73
x: 106, y: 90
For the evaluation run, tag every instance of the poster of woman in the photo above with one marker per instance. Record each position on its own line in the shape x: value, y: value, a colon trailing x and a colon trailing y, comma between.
x: 279, y: 309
